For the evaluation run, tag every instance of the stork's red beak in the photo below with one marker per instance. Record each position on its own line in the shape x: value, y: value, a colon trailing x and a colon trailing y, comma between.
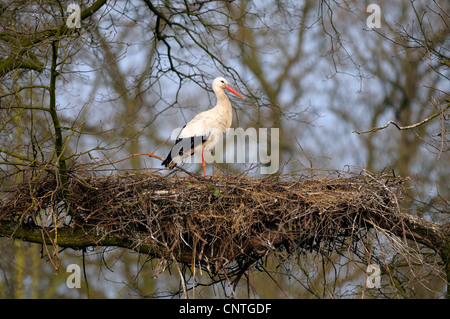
x: 229, y: 88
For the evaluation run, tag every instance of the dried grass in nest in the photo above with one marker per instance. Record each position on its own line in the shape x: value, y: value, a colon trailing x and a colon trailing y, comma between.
x: 216, y: 221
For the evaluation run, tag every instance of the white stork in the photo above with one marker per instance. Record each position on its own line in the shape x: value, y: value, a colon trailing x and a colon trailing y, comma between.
x: 205, y: 129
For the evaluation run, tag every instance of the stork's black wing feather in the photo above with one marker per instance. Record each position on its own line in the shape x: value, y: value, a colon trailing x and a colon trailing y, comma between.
x: 184, y: 144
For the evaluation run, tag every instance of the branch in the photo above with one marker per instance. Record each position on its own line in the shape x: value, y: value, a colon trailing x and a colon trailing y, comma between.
x: 16, y: 60
x: 77, y: 238
x: 401, y: 128
x: 15, y: 155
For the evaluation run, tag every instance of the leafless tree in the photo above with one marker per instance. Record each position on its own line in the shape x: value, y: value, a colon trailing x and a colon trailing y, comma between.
x: 84, y: 115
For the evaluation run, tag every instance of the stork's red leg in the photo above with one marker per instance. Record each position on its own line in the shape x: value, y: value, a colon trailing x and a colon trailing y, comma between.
x: 203, y: 162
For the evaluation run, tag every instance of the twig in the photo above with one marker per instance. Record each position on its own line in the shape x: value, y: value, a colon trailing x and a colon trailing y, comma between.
x: 130, y: 156
x: 402, y: 128
x: 182, y: 279
x: 442, y: 134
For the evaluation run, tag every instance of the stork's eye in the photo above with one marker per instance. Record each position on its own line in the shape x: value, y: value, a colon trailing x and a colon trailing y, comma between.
x: 222, y: 81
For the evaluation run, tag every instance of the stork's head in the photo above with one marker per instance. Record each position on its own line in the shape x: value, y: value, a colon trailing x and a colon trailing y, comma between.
x: 221, y: 83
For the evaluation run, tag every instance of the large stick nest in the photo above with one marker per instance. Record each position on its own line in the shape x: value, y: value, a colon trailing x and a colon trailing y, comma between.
x: 213, y: 221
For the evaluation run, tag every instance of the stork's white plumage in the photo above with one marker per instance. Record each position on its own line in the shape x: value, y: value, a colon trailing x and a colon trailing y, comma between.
x: 205, y: 129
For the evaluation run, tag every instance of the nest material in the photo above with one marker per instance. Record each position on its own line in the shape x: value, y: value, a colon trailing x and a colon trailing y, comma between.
x: 216, y: 220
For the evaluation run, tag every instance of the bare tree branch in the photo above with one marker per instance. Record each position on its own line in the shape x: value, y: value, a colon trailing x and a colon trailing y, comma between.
x: 402, y: 128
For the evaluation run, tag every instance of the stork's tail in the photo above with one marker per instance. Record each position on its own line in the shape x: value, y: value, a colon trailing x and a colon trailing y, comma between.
x: 168, y: 160
x: 181, y: 145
